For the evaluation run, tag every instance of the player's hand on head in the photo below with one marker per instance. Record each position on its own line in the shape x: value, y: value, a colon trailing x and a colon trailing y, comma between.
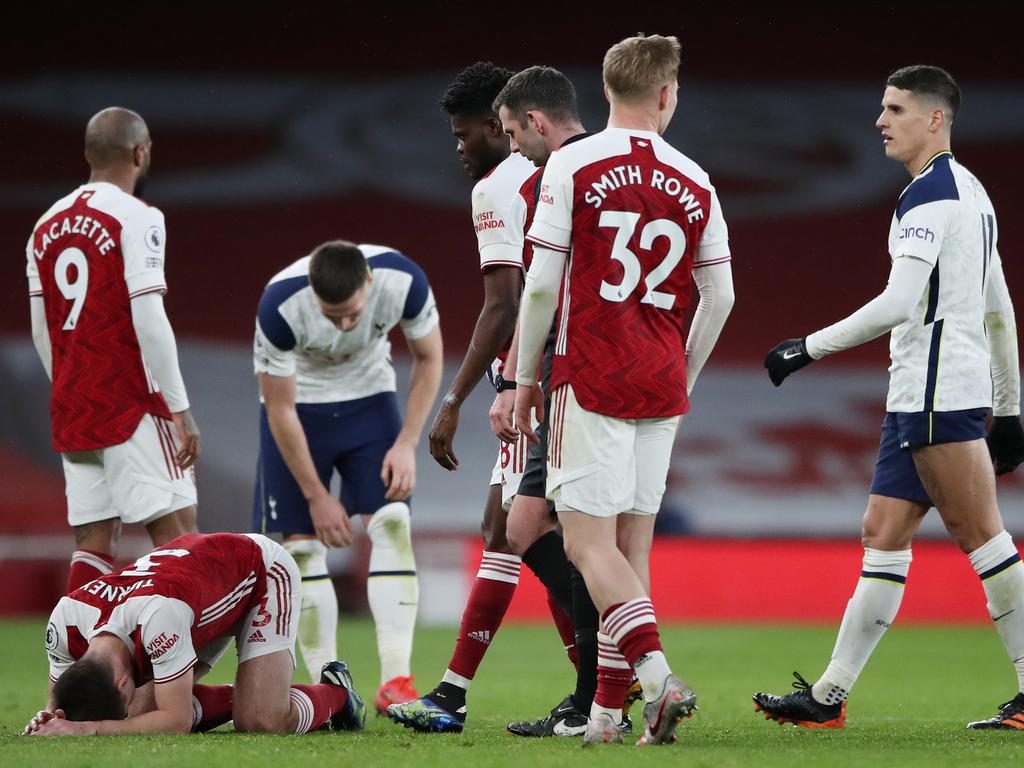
x: 1005, y: 441
x: 189, y: 441
x: 442, y: 433
x: 501, y: 416
x: 330, y: 521
x: 399, y: 471
x: 528, y: 401
x: 787, y: 357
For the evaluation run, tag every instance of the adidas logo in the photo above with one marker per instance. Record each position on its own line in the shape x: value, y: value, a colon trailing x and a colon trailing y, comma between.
x: 257, y: 637
x: 481, y: 635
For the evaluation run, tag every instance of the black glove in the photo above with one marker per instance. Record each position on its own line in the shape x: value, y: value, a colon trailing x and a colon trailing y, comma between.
x: 785, y: 358
x: 1005, y: 440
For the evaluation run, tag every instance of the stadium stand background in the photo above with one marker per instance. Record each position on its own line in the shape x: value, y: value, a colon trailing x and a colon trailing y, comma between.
x: 273, y: 132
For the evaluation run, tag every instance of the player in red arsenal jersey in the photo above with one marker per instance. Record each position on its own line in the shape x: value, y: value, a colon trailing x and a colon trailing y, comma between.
x: 625, y: 225
x: 125, y: 649
x: 119, y: 412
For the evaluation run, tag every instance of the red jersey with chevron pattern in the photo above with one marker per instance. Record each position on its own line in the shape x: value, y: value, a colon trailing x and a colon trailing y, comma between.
x: 89, y: 255
x: 635, y: 217
x: 166, y: 605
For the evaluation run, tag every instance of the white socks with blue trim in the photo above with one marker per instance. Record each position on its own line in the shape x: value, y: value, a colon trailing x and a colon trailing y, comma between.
x: 391, y: 587
x: 998, y: 565
x: 869, y: 613
x: 318, y: 619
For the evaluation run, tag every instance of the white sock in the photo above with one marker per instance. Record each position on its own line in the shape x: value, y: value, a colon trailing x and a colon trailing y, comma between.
x: 869, y: 613
x: 318, y: 619
x: 391, y: 588
x: 998, y: 565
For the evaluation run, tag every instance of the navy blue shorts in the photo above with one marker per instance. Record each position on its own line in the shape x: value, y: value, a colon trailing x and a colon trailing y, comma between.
x: 351, y: 437
x: 895, y: 472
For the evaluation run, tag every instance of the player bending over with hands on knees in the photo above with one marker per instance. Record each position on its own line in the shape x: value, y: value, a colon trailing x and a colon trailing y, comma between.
x: 954, y: 357
x: 125, y: 649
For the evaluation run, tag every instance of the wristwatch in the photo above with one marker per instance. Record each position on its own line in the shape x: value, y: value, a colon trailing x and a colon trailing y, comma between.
x: 502, y: 385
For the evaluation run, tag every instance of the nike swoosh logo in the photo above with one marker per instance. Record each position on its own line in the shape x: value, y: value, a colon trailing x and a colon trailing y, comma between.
x: 787, y: 356
x: 1003, y: 615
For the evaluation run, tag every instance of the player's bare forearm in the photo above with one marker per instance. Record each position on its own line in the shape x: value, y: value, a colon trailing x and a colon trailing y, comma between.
x: 424, y: 382
x: 497, y: 320
x: 279, y: 396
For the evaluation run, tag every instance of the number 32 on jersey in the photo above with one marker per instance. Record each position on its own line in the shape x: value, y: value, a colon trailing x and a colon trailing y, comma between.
x: 625, y: 224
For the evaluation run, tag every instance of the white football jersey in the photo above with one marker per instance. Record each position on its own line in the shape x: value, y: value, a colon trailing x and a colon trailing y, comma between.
x: 940, y: 356
x: 499, y: 212
x: 294, y: 338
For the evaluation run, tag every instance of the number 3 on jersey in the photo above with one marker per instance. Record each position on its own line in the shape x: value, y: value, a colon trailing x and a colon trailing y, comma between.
x: 72, y: 291
x: 625, y: 224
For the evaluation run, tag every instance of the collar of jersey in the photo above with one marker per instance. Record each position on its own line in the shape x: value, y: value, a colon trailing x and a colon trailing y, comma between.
x: 933, y: 158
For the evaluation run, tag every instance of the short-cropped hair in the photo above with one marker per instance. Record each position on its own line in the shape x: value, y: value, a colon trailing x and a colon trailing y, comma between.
x: 933, y: 82
x: 337, y: 270
x: 637, y: 66
x: 542, y: 88
x: 86, y: 691
x: 473, y: 90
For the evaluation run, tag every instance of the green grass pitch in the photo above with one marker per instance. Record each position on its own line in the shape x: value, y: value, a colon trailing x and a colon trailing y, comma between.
x: 909, y: 708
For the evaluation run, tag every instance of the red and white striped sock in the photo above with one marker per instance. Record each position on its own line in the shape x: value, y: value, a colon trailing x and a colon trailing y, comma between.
x: 613, y: 678
x: 86, y: 566
x: 566, y: 630
x: 634, y: 628
x: 315, y: 704
x: 492, y: 591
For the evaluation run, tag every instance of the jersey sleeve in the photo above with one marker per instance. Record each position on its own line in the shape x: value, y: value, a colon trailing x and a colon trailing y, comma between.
x: 499, y: 217
x: 921, y: 230
x: 274, y: 345
x: 56, y: 641
x: 35, y: 287
x: 552, y: 222
x: 419, y: 313
x: 167, y: 637
x: 143, y: 244
x: 714, y: 243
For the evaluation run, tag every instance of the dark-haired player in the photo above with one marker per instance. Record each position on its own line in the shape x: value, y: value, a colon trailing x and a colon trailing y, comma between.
x: 625, y: 226
x: 503, y: 203
x: 954, y: 357
x: 118, y: 406
x: 323, y: 360
x: 125, y: 649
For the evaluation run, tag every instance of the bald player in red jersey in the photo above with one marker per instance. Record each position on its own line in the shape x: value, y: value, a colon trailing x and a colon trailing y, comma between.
x: 119, y: 411
x: 125, y: 649
x: 625, y: 226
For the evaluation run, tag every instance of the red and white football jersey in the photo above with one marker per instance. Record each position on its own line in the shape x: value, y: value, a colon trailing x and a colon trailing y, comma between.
x: 635, y: 217
x: 167, y: 605
x: 89, y: 255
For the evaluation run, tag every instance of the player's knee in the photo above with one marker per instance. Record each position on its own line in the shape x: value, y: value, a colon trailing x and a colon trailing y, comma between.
x: 100, y: 536
x: 390, y: 532
x: 260, y: 722
x: 310, y: 556
x: 172, y: 525
x: 495, y: 537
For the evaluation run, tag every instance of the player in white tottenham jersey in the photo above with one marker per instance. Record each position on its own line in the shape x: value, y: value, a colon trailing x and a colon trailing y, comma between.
x: 120, y: 414
x: 625, y: 226
x: 125, y: 649
x: 953, y: 346
x: 323, y: 360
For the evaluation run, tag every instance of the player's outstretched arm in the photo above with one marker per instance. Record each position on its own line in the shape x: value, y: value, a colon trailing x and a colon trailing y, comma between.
x: 1006, y: 436
x: 908, y: 280
x: 330, y: 520
x: 715, y: 289
x: 399, y: 468
x: 493, y: 327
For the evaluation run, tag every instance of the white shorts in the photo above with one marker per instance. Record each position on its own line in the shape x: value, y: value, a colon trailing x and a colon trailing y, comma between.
x: 273, y: 624
x: 136, y: 481
x: 605, y: 466
x: 509, y: 467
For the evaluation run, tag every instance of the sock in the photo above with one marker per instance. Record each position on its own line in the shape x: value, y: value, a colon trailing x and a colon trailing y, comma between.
x: 492, y: 591
x: 613, y: 678
x: 392, y: 589
x: 997, y: 563
x: 211, y: 706
x: 546, y: 558
x: 450, y: 694
x: 566, y: 630
x: 86, y: 566
x: 634, y: 629
x: 585, y: 618
x: 868, y: 614
x: 318, y: 619
x: 315, y: 704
